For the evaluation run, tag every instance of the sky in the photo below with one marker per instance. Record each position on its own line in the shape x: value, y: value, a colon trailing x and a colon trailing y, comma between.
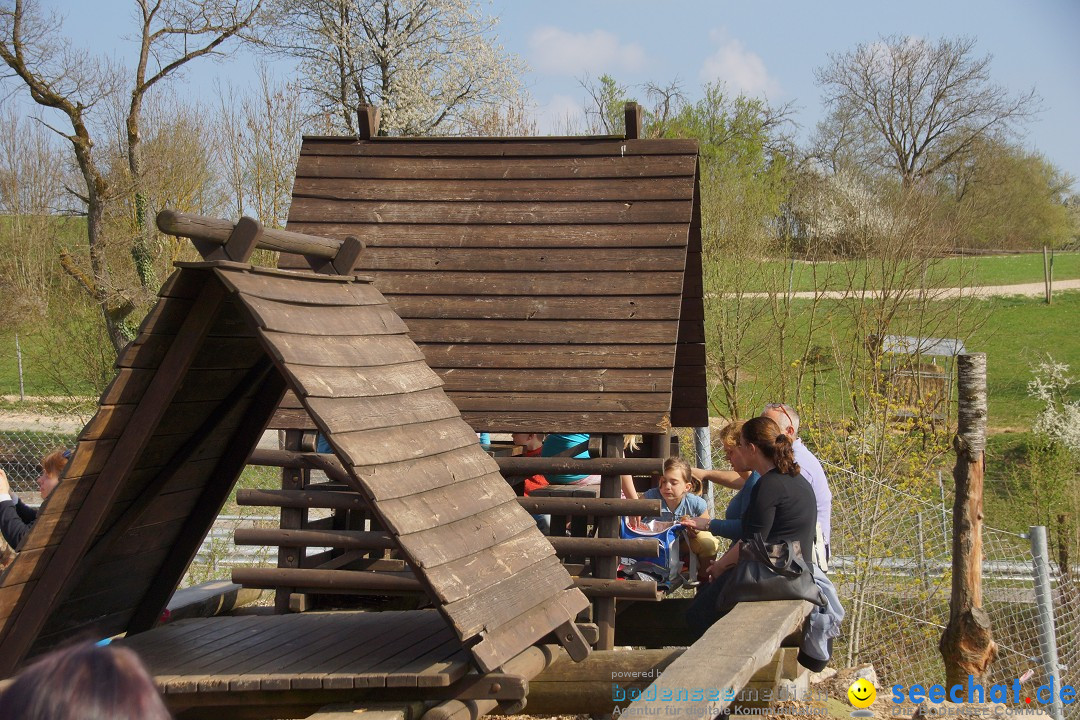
x: 768, y: 49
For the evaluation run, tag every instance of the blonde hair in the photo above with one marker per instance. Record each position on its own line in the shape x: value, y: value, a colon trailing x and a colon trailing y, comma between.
x: 729, y: 434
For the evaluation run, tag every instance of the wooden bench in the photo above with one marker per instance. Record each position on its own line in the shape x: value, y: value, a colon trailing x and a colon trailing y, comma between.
x: 703, y: 681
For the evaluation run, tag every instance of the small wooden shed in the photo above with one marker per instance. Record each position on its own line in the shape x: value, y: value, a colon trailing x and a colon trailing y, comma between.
x: 554, y: 284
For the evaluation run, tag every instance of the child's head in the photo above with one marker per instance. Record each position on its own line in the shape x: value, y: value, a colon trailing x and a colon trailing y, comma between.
x: 529, y: 441
x: 677, y: 479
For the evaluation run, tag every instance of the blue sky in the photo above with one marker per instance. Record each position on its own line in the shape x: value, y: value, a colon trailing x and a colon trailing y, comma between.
x: 761, y: 48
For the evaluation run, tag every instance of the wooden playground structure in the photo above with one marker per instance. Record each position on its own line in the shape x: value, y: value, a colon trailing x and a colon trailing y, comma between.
x: 427, y: 289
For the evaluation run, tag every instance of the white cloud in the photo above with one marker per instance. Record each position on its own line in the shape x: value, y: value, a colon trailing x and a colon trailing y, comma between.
x: 562, y: 115
x: 740, y: 69
x: 560, y: 52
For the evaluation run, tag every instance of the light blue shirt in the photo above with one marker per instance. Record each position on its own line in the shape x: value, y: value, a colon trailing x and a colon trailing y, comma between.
x: 691, y: 504
x: 731, y: 526
x: 810, y: 468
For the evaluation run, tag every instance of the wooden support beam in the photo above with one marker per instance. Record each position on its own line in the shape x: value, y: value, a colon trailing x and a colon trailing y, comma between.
x: 625, y: 589
x: 348, y: 256
x: 598, y: 547
x: 605, y: 507
x: 340, y: 539
x: 57, y: 578
x: 367, y: 117
x: 300, y: 499
x: 580, y: 466
x: 219, y: 232
x: 605, y: 567
x: 329, y: 464
x: 329, y: 581
x: 632, y: 114
x: 243, y: 239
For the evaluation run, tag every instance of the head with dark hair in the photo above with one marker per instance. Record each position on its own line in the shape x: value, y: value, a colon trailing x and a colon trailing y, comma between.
x: 761, y: 435
x: 84, y: 682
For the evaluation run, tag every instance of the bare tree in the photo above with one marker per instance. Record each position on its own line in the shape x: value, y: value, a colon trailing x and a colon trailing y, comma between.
x: 422, y: 62
x: 917, y: 103
x: 172, y: 33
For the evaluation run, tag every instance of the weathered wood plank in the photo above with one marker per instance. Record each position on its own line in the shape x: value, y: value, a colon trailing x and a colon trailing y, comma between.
x: 311, y: 291
x: 468, y: 575
x: 498, y: 604
x: 584, y: 421
x: 442, y: 356
x: 479, y: 168
x: 447, y: 504
x: 222, y: 354
x: 597, y: 283
x: 475, y: 401
x: 446, y: 543
x: 522, y: 380
x: 321, y: 320
x: 406, y: 442
x: 473, y: 259
x: 497, y: 189
x: 498, y: 643
x: 358, y: 211
x: 345, y: 415
x: 537, y: 307
x: 364, y: 382
x: 395, y: 480
x: 345, y: 351
x: 495, y: 147
x: 533, y: 237
x: 585, y: 332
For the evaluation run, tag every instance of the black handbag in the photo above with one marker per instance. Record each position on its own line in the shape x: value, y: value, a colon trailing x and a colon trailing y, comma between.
x: 769, y: 571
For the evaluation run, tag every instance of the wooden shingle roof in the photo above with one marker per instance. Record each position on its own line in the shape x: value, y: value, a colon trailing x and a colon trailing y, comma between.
x: 174, y: 430
x: 553, y: 283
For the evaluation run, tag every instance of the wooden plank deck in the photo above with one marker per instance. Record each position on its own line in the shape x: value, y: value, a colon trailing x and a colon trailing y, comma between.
x: 332, y: 651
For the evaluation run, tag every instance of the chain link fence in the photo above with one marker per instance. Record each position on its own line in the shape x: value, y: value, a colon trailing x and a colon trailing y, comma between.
x: 892, y: 564
x: 21, y: 452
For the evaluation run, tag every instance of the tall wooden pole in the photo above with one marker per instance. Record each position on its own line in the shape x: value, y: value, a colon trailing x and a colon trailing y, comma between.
x: 967, y: 645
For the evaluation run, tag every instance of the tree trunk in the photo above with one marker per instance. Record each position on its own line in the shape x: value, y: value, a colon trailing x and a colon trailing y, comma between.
x: 967, y: 645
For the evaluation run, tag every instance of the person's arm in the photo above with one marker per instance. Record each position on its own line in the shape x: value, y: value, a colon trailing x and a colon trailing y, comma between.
x: 730, y: 528
x: 628, y: 489
x: 15, y: 515
x: 727, y: 478
x: 725, y: 562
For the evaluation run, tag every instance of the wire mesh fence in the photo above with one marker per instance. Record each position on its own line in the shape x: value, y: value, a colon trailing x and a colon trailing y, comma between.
x: 21, y: 452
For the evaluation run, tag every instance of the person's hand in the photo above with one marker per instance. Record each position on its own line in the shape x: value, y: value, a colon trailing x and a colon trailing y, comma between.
x: 714, y: 570
x: 5, y: 487
x: 633, y: 521
x: 694, y: 524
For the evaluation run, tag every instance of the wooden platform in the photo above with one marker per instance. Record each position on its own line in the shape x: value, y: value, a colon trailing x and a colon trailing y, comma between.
x: 308, y: 651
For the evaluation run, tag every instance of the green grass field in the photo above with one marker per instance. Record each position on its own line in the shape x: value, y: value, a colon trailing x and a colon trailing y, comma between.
x: 949, y: 272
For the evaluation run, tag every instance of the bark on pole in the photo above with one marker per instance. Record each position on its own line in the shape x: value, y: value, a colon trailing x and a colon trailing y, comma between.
x: 967, y: 645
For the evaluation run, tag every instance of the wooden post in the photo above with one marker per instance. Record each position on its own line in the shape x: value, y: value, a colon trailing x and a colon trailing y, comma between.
x: 367, y: 117
x: 632, y: 113
x: 967, y: 645
x: 1046, y: 275
x: 606, y: 567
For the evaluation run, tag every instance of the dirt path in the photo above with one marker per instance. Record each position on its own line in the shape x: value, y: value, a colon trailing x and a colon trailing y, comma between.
x: 1036, y: 289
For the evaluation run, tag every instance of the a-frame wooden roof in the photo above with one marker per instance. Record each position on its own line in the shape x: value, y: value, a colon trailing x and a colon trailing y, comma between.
x: 174, y: 429
x: 553, y: 283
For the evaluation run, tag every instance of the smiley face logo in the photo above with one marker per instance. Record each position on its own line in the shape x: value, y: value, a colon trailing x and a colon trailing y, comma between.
x: 862, y: 693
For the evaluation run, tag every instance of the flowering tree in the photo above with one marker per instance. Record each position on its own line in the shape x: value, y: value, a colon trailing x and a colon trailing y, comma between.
x: 424, y: 63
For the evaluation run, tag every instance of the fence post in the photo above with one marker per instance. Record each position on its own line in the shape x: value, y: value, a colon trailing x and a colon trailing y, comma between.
x: 703, y: 457
x: 967, y: 645
x: 1040, y: 559
x: 18, y: 355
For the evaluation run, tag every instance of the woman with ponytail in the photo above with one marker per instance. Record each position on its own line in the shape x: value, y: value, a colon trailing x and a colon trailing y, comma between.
x: 782, y: 507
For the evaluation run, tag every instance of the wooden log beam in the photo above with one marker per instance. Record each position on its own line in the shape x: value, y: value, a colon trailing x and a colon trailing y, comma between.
x: 329, y: 464
x: 625, y: 589
x: 218, y: 231
x: 600, y: 507
x: 340, y: 539
x: 605, y: 547
x: 579, y: 466
x: 301, y: 499
x: 364, y: 540
x: 967, y: 646
x: 331, y: 581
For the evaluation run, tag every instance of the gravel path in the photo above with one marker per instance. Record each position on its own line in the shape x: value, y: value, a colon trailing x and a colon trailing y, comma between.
x: 1036, y: 289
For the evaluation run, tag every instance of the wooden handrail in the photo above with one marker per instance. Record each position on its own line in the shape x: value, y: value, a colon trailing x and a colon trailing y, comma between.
x: 218, y: 231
